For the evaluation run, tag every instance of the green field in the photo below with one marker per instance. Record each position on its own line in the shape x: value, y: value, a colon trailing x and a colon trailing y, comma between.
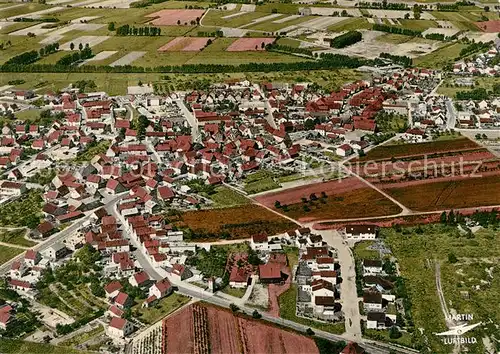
x: 259, y: 182
x: 16, y: 237
x: 16, y: 346
x: 116, y: 83
x: 7, y: 253
x: 161, y: 309
x: 350, y: 24
x: 418, y: 248
x: 227, y: 197
x: 236, y: 292
x: 441, y: 57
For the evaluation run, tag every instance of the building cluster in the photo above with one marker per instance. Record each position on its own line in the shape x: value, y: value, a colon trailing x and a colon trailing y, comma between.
x: 482, y: 64
x: 484, y: 114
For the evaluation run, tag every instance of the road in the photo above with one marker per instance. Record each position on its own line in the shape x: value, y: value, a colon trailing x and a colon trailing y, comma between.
x: 191, y: 119
x: 451, y: 115
x: 269, y: 115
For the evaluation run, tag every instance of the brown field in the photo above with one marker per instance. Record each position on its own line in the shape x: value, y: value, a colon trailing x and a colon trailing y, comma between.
x: 179, y: 332
x: 386, y: 152
x: 454, y: 194
x: 185, y: 44
x: 249, y: 44
x: 346, y: 199
x: 489, y: 26
x: 238, y: 222
x: 231, y: 334
x: 171, y: 17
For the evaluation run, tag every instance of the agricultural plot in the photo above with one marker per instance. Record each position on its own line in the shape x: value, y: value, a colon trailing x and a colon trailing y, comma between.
x: 100, y: 56
x: 174, y: 17
x: 344, y: 199
x: 321, y: 23
x: 37, y: 30
x: 7, y: 253
x: 57, y: 35
x: 447, y: 32
x: 261, y: 19
x: 92, y: 41
x: 219, y: 331
x: 286, y: 19
x: 236, y: 223
x: 449, y: 194
x: 489, y: 26
x: 128, y: 59
x: 397, y: 14
x: 185, y: 44
x: 249, y: 44
x: 37, y: 14
x: 329, y: 11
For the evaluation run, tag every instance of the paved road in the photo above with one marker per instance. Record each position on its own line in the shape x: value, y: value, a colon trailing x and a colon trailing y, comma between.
x: 191, y: 119
x: 451, y: 115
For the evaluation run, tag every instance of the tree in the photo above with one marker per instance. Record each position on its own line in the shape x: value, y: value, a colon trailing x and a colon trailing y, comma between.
x: 111, y: 26
x: 394, y: 333
x: 256, y: 314
x: 277, y: 204
x: 442, y: 219
x: 309, y: 332
x: 71, y: 46
x: 178, y: 22
x: 452, y: 258
x: 80, y: 46
x: 234, y: 307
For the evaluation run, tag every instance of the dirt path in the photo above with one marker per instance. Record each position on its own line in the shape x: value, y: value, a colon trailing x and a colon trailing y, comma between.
x: 275, y: 290
x: 13, y: 245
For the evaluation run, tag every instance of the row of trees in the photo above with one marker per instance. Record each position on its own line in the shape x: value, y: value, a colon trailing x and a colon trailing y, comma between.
x: 346, y: 39
x: 383, y: 5
x: 145, y: 3
x: 43, y: 19
x: 477, y: 94
x: 398, y: 59
x: 475, y: 47
x: 327, y: 61
x: 70, y: 59
x: 126, y: 30
x: 30, y: 57
x: 288, y: 49
x: 396, y: 30
x: 218, y: 33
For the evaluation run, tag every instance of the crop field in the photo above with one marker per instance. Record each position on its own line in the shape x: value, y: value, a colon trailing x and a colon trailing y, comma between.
x: 441, y: 57
x: 348, y: 198
x: 386, y: 152
x: 249, y: 44
x: 489, y: 26
x: 219, y: 331
x: 185, y: 44
x: 237, y: 222
x: 460, y: 193
x: 475, y: 272
x: 175, y: 17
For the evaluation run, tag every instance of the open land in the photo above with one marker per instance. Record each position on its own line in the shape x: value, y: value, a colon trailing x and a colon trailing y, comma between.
x: 185, y: 44
x: 345, y: 198
x: 238, y: 222
x: 418, y: 248
x: 227, y: 333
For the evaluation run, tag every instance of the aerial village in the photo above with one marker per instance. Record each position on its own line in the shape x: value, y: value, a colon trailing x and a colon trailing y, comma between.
x: 122, y: 167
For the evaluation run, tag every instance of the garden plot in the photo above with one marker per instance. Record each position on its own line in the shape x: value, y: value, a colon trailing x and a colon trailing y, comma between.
x: 36, y: 30
x: 447, y: 32
x: 398, y: 14
x: 100, y: 56
x: 57, y: 35
x: 328, y: 11
x: 321, y: 23
x: 90, y: 40
x: 286, y: 19
x: 38, y: 14
x: 128, y: 59
x: 185, y: 44
x: 172, y: 17
x: 249, y: 44
x: 247, y: 8
x: 261, y: 19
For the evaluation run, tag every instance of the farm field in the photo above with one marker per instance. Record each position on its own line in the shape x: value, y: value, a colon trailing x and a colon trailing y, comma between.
x: 249, y: 44
x: 348, y: 198
x: 218, y: 330
x: 236, y: 222
x: 185, y: 44
x: 116, y: 83
x: 439, y: 58
x: 7, y: 253
x: 418, y: 248
x: 386, y: 152
x: 172, y: 17
x: 462, y: 193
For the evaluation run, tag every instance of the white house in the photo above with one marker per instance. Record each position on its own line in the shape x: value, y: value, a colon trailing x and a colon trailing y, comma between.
x: 344, y: 150
x: 372, y: 301
x: 259, y: 242
x: 372, y: 267
x: 361, y: 232
x: 119, y: 328
x: 161, y: 289
x: 377, y: 320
